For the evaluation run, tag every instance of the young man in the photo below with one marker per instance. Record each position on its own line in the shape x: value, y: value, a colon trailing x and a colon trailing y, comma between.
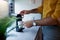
x: 50, y: 22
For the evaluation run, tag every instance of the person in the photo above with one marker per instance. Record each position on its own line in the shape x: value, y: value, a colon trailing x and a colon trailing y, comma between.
x: 50, y: 22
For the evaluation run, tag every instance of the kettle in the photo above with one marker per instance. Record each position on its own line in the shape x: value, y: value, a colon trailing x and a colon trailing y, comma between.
x: 19, y: 23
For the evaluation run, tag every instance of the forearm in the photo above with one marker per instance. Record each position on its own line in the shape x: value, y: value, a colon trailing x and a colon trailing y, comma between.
x: 58, y: 21
x: 37, y: 10
x: 46, y: 22
x: 34, y: 10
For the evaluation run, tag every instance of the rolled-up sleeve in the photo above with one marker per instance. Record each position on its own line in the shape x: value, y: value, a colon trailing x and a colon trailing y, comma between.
x: 40, y: 9
x: 56, y: 13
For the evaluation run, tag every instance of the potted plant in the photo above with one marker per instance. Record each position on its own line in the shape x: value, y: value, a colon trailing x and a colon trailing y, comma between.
x: 4, y: 23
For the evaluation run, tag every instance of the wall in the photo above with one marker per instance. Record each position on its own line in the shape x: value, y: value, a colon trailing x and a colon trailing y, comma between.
x: 3, y: 9
x: 26, y: 4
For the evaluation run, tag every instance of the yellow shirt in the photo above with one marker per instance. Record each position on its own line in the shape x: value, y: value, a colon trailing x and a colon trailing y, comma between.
x: 50, y: 8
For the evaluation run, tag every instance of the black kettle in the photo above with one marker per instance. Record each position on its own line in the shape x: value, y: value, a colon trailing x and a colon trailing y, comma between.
x: 19, y: 18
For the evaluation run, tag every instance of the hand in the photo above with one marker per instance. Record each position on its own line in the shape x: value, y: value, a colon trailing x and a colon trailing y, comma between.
x: 24, y: 12
x: 28, y: 24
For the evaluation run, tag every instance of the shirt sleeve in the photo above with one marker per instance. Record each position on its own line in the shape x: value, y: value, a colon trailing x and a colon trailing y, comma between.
x: 40, y: 9
x: 56, y: 13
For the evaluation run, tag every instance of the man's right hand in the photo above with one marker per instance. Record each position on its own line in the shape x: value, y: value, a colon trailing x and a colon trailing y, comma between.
x: 24, y: 12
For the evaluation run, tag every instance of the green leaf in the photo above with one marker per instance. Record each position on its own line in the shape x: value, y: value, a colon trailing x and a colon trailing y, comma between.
x: 4, y: 23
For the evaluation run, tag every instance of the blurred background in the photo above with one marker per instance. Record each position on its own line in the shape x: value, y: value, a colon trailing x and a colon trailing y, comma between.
x: 26, y: 4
